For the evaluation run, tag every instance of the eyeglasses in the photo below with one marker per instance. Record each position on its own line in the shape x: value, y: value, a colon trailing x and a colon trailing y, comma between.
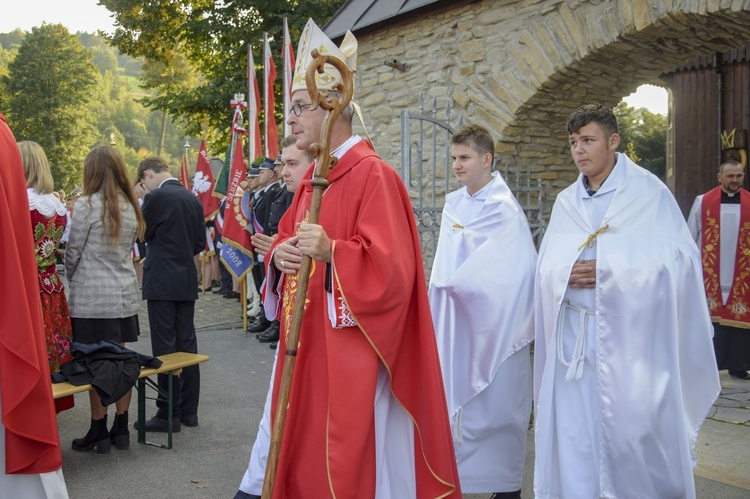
x: 297, y: 108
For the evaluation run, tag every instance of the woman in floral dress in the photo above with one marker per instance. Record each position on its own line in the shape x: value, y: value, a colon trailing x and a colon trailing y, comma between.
x: 48, y: 220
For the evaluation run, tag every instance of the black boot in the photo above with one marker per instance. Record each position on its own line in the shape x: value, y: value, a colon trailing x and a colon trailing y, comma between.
x: 98, y: 437
x: 119, y: 434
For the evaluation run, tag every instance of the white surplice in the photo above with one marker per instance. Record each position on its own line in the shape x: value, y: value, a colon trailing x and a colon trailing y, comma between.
x: 481, y: 296
x: 622, y: 420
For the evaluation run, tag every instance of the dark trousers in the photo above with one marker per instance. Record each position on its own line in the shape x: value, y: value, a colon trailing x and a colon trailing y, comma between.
x: 259, y: 273
x: 732, y: 347
x: 172, y: 330
x: 226, y: 277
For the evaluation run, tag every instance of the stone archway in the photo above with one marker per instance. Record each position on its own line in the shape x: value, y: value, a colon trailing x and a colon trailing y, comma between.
x: 520, y: 68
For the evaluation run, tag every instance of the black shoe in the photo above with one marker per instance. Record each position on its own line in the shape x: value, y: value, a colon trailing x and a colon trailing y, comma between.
x: 97, y: 436
x: 258, y: 325
x: 191, y: 421
x: 215, y: 284
x: 274, y: 345
x: 506, y: 495
x: 119, y: 434
x: 270, y: 334
x: 206, y: 291
x: 221, y: 291
x: 158, y: 424
x: 232, y: 294
x: 740, y: 374
x: 245, y: 495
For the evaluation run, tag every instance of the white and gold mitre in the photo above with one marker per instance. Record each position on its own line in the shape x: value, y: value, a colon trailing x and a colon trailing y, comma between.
x: 314, y: 38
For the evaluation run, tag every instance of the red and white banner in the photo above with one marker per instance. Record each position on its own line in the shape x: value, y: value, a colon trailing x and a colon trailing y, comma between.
x: 287, y: 54
x: 269, y: 79
x: 236, y: 219
x: 253, y: 100
x: 203, y: 183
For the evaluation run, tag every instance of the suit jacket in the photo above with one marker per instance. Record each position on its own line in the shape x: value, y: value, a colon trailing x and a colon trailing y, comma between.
x: 174, y: 235
x: 277, y: 206
x: 101, y: 279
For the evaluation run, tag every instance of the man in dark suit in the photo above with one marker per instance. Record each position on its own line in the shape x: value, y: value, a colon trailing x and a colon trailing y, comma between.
x: 268, y: 188
x: 174, y: 235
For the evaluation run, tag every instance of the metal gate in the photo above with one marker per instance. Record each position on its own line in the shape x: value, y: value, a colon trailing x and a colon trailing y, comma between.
x: 426, y: 170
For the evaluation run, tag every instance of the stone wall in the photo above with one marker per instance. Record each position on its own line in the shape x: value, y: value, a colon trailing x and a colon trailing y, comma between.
x: 520, y: 68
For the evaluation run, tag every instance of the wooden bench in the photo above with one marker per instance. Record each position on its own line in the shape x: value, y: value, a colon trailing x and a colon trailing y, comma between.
x: 172, y: 365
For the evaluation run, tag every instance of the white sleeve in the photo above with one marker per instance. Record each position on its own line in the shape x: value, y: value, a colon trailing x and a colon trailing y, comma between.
x: 694, y: 220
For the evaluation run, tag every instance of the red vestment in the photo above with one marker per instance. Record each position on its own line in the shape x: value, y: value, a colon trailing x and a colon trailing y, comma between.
x: 328, y: 448
x: 736, y: 312
x: 32, y: 443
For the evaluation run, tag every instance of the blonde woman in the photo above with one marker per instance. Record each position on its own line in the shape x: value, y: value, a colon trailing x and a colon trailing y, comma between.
x: 104, y: 296
x: 48, y: 221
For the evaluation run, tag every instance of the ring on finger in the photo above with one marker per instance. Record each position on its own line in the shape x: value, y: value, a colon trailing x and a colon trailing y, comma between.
x: 282, y: 264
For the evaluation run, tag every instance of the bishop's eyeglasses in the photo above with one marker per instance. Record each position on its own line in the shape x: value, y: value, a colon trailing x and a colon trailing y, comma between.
x: 297, y: 108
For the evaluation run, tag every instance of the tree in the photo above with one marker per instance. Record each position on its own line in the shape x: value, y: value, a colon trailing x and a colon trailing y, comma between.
x: 50, y: 94
x: 643, y: 134
x: 213, y: 36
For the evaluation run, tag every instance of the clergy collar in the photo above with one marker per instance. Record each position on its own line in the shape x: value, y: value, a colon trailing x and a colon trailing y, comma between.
x: 730, y: 197
x: 342, y: 149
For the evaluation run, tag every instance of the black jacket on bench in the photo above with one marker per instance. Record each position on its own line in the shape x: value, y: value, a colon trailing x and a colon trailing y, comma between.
x: 109, y: 367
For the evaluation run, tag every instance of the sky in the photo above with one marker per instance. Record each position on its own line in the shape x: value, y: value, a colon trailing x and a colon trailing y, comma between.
x: 87, y: 15
x: 651, y: 97
x: 76, y: 15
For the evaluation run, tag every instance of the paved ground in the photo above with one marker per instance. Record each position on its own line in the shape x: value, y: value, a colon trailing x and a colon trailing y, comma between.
x: 209, y: 461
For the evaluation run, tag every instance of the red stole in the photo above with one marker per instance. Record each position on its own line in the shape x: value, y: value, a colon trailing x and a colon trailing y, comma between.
x: 736, y: 312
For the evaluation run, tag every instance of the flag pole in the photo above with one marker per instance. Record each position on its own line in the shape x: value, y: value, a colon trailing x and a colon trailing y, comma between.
x: 243, y: 300
x: 265, y: 95
x: 250, y: 130
x: 288, y: 60
x: 324, y: 161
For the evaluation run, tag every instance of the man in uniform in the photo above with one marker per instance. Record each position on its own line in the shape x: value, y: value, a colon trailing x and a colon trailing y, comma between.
x: 719, y: 222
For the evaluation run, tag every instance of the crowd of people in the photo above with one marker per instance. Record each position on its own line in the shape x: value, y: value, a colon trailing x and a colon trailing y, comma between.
x: 398, y: 389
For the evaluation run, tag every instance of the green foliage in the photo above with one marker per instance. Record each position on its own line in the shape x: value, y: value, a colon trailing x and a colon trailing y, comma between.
x: 50, y: 97
x: 212, y: 37
x: 643, y: 135
x: 11, y: 40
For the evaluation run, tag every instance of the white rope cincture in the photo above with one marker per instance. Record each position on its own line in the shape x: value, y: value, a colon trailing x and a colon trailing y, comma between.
x: 575, y: 365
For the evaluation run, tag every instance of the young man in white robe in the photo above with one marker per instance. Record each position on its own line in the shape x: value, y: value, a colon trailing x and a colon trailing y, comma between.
x: 481, y: 297
x: 623, y: 361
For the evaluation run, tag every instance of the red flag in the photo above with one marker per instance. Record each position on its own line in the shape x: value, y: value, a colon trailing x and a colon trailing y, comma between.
x: 253, y: 102
x: 269, y: 77
x: 287, y: 54
x: 184, y: 177
x: 236, y: 219
x: 203, y: 183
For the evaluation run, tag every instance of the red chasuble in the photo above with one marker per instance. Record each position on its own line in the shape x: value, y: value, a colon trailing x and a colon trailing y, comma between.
x: 32, y: 443
x: 736, y: 312
x: 328, y: 448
